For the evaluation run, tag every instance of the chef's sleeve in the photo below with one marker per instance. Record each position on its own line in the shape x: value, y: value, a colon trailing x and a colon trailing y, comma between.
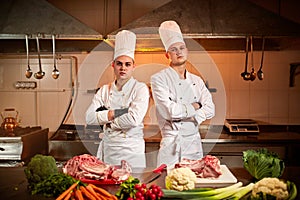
x: 165, y: 105
x: 94, y: 115
x: 207, y: 111
x: 136, y: 111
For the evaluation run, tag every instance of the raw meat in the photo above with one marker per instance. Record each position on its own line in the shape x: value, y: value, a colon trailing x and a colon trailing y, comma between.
x: 90, y: 167
x: 207, y: 167
x: 121, y: 173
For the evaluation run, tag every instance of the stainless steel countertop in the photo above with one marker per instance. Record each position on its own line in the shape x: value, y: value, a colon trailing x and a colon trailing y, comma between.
x: 219, y: 135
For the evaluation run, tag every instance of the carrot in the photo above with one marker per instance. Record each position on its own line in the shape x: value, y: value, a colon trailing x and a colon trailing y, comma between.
x: 92, y: 191
x: 100, y: 197
x: 68, y: 196
x: 101, y: 191
x: 113, y: 197
x: 78, y: 195
x: 68, y: 191
x: 86, y: 193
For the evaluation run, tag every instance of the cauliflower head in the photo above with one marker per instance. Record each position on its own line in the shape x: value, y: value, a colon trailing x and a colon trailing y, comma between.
x: 270, y: 186
x: 181, y: 179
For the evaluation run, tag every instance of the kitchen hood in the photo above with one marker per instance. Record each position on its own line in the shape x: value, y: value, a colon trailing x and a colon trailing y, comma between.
x: 42, y: 19
x: 217, y: 25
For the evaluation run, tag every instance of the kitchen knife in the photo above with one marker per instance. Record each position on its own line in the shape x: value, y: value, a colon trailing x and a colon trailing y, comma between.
x: 155, y: 174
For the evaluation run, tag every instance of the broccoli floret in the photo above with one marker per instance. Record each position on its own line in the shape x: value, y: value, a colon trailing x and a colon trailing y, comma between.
x: 40, y: 168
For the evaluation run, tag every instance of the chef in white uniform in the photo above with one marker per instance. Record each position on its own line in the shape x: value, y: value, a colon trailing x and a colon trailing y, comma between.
x: 120, y: 107
x: 182, y: 101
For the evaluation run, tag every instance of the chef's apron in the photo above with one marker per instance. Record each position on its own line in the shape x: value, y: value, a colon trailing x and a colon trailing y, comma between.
x: 121, y: 145
x: 174, y: 148
x: 181, y: 138
x: 113, y: 151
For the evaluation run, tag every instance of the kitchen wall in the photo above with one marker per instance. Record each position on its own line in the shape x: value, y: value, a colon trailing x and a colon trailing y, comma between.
x: 46, y: 104
x: 269, y: 101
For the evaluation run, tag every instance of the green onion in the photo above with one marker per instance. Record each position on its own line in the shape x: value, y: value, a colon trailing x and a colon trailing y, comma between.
x: 242, y: 191
x: 233, y: 192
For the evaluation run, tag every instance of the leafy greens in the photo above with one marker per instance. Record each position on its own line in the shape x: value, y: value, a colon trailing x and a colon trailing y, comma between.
x: 263, y: 163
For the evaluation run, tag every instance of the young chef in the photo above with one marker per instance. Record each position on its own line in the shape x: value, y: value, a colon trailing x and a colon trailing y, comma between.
x: 182, y: 101
x: 121, y: 107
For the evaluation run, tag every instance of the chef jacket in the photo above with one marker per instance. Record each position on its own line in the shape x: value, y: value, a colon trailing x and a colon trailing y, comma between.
x: 123, y: 137
x: 177, y: 118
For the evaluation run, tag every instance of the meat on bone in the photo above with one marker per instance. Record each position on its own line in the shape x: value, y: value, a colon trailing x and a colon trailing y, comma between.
x: 90, y: 167
x: 207, y: 167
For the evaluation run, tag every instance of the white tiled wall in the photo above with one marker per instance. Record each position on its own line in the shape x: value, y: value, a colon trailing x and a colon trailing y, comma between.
x: 270, y: 100
x: 43, y: 106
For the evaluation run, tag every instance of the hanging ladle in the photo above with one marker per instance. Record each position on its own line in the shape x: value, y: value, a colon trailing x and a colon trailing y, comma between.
x: 246, y: 74
x: 260, y: 73
x: 40, y: 74
x: 55, y: 72
x: 253, y: 73
x: 28, y: 72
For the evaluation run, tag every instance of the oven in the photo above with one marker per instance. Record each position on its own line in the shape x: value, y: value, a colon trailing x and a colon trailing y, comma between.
x: 17, y: 147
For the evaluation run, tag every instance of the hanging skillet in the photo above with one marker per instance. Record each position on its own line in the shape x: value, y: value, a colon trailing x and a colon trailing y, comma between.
x: 246, y: 74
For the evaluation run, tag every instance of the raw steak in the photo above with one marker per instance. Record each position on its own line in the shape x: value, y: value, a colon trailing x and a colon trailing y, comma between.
x: 90, y: 167
x: 207, y: 167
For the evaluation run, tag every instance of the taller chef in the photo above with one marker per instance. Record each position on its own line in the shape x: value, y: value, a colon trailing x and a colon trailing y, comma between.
x: 182, y: 101
x: 120, y: 107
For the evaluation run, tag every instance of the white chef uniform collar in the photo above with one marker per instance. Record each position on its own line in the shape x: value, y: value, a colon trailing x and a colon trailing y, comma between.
x: 170, y: 33
x: 125, y: 44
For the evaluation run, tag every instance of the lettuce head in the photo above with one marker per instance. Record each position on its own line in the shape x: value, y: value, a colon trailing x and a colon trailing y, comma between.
x: 263, y: 163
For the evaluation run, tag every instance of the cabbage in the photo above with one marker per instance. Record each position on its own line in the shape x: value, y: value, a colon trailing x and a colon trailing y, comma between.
x: 263, y: 163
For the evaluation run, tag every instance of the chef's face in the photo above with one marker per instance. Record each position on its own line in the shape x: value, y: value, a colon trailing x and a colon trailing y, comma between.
x: 123, y: 67
x: 177, y: 53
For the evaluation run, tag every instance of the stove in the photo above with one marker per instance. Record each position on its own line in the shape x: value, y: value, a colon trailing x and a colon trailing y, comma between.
x: 22, y: 144
x: 71, y: 140
x: 69, y: 132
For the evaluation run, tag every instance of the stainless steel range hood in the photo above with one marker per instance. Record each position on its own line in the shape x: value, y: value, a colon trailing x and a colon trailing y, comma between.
x: 38, y: 17
x: 217, y: 25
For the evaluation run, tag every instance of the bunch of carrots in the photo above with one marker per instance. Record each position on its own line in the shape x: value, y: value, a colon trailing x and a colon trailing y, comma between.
x: 87, y: 192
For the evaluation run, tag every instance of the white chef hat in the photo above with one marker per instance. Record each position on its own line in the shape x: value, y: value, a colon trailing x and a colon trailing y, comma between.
x: 170, y: 33
x: 125, y: 44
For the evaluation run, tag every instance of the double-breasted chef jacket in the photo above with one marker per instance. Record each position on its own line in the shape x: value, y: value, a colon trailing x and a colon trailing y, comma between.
x: 123, y: 137
x: 177, y: 118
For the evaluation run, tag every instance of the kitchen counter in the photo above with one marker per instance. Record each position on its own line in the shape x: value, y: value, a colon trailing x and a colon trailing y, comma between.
x: 13, y: 183
x: 229, y: 147
x: 284, y: 140
x: 217, y: 134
